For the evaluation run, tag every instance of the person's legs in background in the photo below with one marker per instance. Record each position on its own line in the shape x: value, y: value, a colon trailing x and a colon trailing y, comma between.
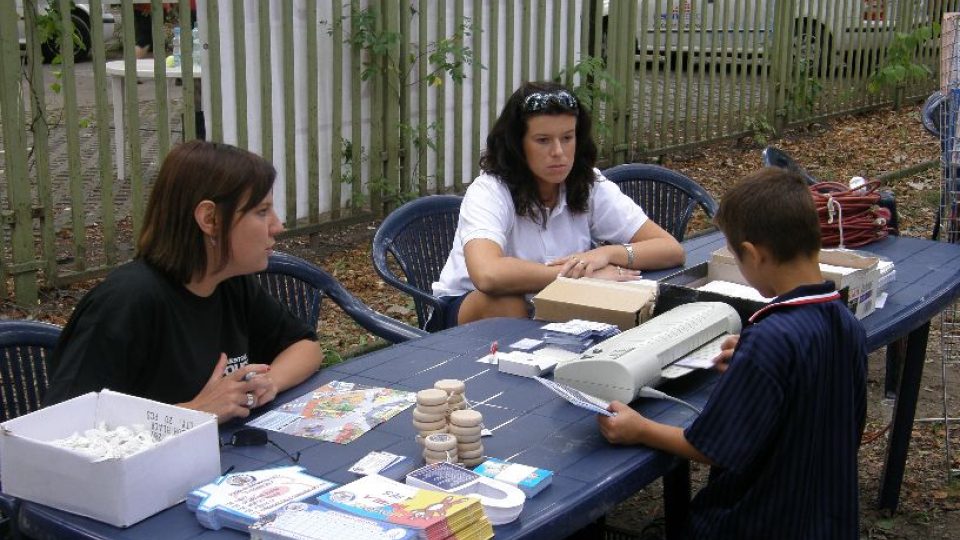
x: 197, y: 94
x: 143, y: 31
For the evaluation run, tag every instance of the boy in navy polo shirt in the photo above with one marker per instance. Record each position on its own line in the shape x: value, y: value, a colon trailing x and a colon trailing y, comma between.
x: 782, y: 428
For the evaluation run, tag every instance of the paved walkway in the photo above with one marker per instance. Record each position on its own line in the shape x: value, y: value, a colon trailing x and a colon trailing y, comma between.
x: 89, y: 148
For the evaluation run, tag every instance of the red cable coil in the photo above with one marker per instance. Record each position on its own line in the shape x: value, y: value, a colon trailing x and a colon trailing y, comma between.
x: 862, y: 218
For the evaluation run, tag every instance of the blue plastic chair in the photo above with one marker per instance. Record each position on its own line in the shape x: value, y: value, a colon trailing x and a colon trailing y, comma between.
x: 301, y: 286
x: 418, y: 236
x: 668, y: 197
x: 775, y: 157
x: 25, y: 347
x: 931, y: 115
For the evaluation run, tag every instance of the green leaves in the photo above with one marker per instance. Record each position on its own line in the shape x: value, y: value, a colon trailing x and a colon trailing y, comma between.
x: 900, y: 67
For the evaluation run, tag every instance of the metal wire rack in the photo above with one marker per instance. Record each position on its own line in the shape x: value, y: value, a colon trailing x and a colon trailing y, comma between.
x: 947, y: 227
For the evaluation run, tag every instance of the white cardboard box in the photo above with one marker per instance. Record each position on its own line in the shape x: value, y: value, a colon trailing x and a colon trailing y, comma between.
x: 624, y: 304
x: 859, y: 274
x: 119, y: 491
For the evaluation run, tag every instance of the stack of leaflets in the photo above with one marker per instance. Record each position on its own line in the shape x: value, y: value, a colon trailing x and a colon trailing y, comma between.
x: 238, y: 500
x: 302, y: 521
x: 433, y: 515
x: 502, y: 502
x: 577, y: 397
x: 530, y: 480
x: 577, y: 335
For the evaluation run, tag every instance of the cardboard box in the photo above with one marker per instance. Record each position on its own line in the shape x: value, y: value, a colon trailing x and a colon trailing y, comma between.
x: 859, y: 274
x: 681, y: 288
x: 619, y: 303
x: 855, y: 276
x: 119, y: 491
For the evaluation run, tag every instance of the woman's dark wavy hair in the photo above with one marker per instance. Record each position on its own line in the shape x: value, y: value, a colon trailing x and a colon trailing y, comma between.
x: 504, y: 157
x: 233, y: 178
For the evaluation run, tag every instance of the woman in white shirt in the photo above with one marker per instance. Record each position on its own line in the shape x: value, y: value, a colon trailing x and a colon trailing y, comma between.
x: 536, y: 212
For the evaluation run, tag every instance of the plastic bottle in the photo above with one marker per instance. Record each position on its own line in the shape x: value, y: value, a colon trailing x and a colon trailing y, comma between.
x: 176, y: 46
x: 196, y: 46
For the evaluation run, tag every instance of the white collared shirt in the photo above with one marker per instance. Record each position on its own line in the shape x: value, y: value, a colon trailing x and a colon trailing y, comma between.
x: 488, y: 212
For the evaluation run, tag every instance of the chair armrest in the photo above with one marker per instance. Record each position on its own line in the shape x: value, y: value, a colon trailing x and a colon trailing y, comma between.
x: 379, y: 255
x: 377, y: 323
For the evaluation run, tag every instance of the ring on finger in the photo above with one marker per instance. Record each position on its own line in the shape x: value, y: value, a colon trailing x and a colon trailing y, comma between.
x: 251, y: 400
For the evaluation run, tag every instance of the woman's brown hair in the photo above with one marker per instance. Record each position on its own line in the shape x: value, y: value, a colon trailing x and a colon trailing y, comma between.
x: 171, y: 240
x: 504, y: 156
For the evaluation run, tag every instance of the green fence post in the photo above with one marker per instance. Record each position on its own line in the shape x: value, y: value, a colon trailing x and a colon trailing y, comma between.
x: 780, y: 62
x: 19, y: 218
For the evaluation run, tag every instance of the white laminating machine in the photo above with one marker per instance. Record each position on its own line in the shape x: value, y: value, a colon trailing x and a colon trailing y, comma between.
x: 620, y: 366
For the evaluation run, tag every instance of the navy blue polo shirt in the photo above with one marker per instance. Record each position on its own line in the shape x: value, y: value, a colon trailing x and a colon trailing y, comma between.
x: 783, y: 425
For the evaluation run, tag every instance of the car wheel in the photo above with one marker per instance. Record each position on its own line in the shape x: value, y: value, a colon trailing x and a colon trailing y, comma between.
x: 81, y: 50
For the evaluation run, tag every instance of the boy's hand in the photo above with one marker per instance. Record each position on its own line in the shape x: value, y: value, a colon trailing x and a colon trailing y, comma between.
x: 722, y: 361
x: 624, y: 428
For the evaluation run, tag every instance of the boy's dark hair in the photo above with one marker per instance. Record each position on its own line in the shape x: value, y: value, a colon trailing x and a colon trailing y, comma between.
x: 171, y: 240
x: 504, y: 157
x: 772, y: 208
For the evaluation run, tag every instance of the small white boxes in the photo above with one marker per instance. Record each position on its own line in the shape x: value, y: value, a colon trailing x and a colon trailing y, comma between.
x: 118, y: 491
x: 524, y: 364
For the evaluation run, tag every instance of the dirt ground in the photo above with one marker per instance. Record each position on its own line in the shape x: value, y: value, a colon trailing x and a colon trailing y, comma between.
x: 867, y: 145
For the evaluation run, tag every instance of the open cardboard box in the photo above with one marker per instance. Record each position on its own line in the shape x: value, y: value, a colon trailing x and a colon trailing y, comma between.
x: 624, y: 304
x: 854, y: 275
x: 857, y: 273
x: 118, y: 491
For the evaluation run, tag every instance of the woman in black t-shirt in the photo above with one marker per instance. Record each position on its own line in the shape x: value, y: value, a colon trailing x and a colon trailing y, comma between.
x: 186, y: 322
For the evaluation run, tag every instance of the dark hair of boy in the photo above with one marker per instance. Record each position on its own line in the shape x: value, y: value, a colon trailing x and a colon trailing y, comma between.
x: 773, y: 208
x: 234, y: 179
x: 504, y: 156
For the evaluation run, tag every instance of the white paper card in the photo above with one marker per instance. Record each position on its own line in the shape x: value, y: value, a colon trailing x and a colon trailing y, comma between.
x: 526, y: 344
x: 702, y: 358
x: 576, y: 397
x: 374, y: 462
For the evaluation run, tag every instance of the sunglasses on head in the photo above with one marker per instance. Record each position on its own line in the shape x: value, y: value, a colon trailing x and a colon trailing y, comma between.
x: 539, y: 101
x: 257, y: 437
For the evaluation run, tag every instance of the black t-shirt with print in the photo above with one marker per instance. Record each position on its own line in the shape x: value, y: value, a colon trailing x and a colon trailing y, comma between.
x: 142, y: 334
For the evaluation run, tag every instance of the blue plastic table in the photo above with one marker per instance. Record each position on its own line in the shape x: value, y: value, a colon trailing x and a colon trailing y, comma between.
x: 530, y: 425
x: 533, y: 427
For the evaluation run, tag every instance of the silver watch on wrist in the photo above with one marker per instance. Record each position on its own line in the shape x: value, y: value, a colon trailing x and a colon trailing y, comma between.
x: 629, y: 248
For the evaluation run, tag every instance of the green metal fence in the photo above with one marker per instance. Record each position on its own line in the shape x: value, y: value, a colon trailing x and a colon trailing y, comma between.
x: 362, y: 104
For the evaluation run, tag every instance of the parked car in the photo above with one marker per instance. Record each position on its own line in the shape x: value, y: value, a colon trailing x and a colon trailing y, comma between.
x: 738, y: 29
x: 80, y: 15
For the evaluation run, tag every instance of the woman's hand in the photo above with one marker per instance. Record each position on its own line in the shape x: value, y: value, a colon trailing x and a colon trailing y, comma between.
x: 578, y: 265
x: 722, y: 361
x: 595, y: 263
x: 615, y: 273
x: 232, y: 396
x: 265, y: 388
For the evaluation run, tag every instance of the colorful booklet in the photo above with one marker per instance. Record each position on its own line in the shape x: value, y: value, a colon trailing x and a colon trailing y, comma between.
x: 502, y: 502
x: 337, y: 412
x: 239, y: 499
x: 302, y: 521
x: 433, y: 514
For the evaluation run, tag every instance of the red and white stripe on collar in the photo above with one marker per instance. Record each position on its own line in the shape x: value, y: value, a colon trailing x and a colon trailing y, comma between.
x: 799, y: 301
